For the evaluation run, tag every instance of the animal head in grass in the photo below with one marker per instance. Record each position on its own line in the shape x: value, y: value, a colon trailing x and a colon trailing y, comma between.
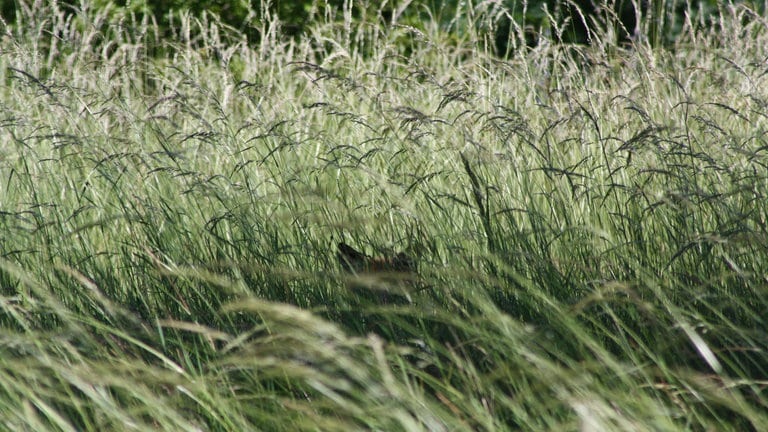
x: 382, y: 280
x: 354, y: 261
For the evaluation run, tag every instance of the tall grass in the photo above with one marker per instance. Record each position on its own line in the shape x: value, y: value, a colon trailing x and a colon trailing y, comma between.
x: 589, y: 225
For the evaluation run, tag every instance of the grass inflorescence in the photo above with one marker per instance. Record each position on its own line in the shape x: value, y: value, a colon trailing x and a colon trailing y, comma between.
x: 584, y: 228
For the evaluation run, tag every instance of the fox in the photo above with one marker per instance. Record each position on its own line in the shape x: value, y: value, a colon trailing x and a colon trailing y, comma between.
x: 385, y: 277
x: 356, y: 262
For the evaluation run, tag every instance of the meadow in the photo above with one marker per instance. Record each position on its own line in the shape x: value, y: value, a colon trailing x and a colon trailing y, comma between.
x: 588, y: 224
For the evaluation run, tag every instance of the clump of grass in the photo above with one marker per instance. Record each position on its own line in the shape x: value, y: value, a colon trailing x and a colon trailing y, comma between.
x: 589, y: 225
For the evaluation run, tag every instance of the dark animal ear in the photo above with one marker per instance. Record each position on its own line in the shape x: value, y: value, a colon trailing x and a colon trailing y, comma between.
x: 403, y: 263
x: 350, y: 259
x: 350, y: 252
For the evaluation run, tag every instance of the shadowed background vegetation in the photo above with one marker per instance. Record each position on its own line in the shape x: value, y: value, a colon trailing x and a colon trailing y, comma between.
x: 660, y: 22
x: 587, y: 220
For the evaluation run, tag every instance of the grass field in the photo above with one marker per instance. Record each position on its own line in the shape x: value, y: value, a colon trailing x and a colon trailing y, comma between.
x: 589, y: 225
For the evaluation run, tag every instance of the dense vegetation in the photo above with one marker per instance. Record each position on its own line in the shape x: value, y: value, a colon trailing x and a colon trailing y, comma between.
x: 588, y: 222
x: 507, y: 22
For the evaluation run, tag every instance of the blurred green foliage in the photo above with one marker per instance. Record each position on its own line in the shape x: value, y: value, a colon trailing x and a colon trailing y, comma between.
x: 575, y: 21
